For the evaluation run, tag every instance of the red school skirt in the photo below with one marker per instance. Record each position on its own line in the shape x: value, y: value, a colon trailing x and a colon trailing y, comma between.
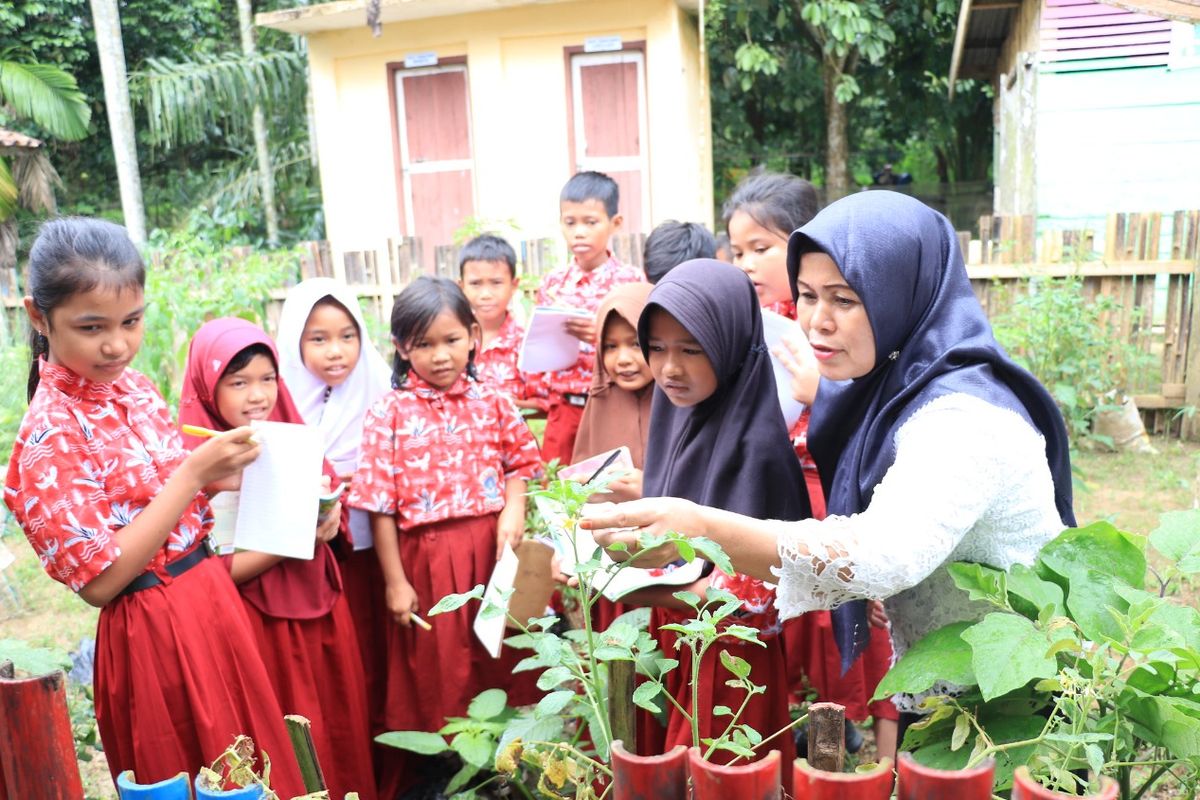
x: 814, y: 662
x: 435, y: 674
x: 365, y: 592
x: 766, y: 713
x: 314, y: 664
x: 179, y: 676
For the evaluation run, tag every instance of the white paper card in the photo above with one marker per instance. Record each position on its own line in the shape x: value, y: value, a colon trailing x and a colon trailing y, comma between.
x: 277, y: 511
x: 776, y: 328
x: 547, y: 344
x: 490, y: 632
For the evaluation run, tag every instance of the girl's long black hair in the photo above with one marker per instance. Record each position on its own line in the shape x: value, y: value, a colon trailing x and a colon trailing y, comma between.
x: 415, y: 310
x: 72, y: 255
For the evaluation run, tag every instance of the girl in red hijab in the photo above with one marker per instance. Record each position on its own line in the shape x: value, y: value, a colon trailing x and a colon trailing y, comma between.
x: 296, y: 607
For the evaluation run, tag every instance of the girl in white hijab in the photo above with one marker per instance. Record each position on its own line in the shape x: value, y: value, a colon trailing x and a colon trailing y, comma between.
x: 334, y: 372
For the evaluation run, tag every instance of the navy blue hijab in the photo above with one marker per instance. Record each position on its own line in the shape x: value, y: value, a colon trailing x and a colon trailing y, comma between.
x: 932, y: 339
x: 731, y: 451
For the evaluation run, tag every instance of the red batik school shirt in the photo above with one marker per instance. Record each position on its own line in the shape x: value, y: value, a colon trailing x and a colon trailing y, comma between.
x: 571, y: 287
x: 496, y: 363
x: 430, y: 455
x: 88, y: 458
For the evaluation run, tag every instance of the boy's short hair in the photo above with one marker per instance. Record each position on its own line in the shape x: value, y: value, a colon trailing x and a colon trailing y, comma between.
x: 488, y: 247
x: 584, y: 186
x: 672, y: 243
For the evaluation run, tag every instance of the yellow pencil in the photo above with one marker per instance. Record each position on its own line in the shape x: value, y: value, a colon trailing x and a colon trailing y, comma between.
x: 420, y: 621
x: 207, y: 433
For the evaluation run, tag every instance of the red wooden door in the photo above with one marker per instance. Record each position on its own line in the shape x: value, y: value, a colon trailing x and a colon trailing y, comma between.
x: 608, y: 107
x: 436, y: 163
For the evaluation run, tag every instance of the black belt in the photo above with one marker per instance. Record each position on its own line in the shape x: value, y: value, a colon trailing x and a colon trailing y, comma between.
x: 579, y: 400
x: 174, y: 569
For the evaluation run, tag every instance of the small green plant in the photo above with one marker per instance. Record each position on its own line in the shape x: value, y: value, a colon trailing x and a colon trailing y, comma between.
x: 1071, y: 344
x: 1077, y: 668
x: 565, y: 739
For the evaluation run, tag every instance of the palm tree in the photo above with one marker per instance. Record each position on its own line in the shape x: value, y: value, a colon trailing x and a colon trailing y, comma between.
x: 226, y: 97
x: 49, y: 98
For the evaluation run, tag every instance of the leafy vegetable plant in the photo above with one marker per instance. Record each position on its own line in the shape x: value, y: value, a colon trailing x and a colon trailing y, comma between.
x: 1077, y: 668
x: 565, y: 739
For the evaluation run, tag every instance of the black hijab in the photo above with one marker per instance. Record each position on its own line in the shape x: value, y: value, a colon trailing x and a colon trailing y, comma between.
x: 932, y: 339
x: 731, y: 451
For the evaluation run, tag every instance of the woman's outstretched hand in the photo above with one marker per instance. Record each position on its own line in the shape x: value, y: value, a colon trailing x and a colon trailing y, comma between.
x: 613, y: 523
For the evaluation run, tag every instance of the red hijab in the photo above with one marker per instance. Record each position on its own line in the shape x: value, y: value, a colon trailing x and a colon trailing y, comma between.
x: 293, y: 588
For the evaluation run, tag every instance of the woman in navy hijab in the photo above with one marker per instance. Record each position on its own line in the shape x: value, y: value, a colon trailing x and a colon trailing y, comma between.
x: 934, y: 446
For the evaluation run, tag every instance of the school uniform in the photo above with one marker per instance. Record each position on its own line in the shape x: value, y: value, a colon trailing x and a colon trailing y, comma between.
x: 338, y: 412
x: 496, y: 363
x: 296, y: 608
x: 729, y: 451
x: 567, y: 389
x: 438, y: 461
x: 178, y: 675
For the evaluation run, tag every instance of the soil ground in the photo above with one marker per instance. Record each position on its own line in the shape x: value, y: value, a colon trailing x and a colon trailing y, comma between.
x: 1128, y: 489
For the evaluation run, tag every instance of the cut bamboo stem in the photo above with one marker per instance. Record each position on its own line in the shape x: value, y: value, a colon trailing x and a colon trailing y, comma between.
x: 827, y: 737
x: 300, y: 732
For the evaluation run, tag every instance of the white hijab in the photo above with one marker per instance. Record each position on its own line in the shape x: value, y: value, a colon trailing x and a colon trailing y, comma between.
x: 340, y: 415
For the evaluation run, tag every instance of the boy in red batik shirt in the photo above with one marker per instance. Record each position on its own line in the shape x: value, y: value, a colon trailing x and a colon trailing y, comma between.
x: 588, y: 214
x: 487, y: 268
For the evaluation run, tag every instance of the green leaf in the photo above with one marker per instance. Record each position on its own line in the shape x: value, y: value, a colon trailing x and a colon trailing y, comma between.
x: 643, y: 696
x: 453, y: 602
x: 1178, y: 538
x: 477, y: 749
x: 47, y: 95
x: 33, y: 660
x: 1170, y: 722
x: 713, y: 553
x: 460, y: 779
x: 740, y: 667
x: 980, y: 582
x: 722, y: 711
x: 687, y: 598
x: 554, y: 702
x: 1098, y: 547
x: 612, y: 653
x: 1029, y: 594
x: 940, y: 655
x: 553, y: 677
x: 1090, y: 597
x: 962, y: 729
x: 488, y: 704
x: 1007, y: 652
x: 427, y: 744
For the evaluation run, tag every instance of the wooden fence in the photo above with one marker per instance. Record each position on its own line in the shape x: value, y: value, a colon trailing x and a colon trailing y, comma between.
x: 1154, y: 296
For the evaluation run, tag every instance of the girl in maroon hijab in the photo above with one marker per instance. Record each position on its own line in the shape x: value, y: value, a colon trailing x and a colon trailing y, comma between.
x: 296, y: 607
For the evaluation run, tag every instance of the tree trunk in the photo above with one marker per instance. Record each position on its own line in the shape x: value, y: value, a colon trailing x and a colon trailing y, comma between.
x: 266, y: 178
x: 837, y: 146
x: 111, y: 49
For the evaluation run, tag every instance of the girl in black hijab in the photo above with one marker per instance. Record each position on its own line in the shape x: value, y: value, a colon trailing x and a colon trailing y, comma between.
x: 718, y: 438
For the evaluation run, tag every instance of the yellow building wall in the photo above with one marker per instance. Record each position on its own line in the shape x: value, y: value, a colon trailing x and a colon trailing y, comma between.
x: 517, y: 85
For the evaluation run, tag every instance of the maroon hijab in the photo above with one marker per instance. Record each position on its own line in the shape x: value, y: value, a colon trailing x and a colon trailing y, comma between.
x: 293, y: 588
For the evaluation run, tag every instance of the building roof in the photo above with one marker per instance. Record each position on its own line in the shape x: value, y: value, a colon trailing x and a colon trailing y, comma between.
x: 353, y: 13
x: 18, y: 141
x: 984, y: 25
